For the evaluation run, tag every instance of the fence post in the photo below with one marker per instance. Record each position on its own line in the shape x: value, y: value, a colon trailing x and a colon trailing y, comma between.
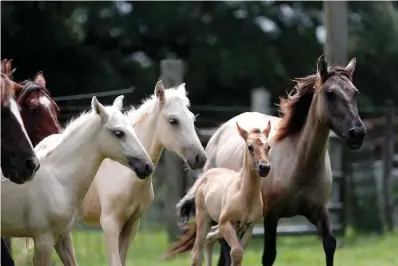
x: 335, y: 19
x: 388, y: 154
x: 171, y: 74
x: 260, y: 100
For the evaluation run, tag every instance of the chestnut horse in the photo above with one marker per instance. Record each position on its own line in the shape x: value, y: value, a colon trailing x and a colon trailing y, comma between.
x: 39, y: 115
x: 300, y: 180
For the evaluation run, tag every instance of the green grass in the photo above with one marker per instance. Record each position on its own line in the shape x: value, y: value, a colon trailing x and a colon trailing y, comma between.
x: 148, y: 247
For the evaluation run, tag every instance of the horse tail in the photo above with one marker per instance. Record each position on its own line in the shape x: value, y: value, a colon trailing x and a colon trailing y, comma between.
x: 185, y: 211
x: 186, y: 207
x: 184, y: 243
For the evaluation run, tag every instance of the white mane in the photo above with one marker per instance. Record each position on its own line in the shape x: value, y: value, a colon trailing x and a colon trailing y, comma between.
x: 50, y: 143
x: 148, y: 105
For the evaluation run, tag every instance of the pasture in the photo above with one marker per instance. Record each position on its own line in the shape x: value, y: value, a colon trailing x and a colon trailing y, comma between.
x: 147, y: 250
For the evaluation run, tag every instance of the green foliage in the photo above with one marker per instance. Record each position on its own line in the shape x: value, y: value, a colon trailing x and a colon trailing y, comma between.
x: 228, y: 48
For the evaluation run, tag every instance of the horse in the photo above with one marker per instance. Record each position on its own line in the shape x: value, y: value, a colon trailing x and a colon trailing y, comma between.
x: 18, y: 159
x: 39, y: 114
x: 230, y: 198
x: 162, y: 121
x: 46, y: 208
x: 300, y: 180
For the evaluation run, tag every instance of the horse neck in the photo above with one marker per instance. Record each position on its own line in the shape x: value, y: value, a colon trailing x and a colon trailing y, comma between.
x: 146, y: 131
x: 249, y: 179
x: 313, y: 140
x: 77, y: 159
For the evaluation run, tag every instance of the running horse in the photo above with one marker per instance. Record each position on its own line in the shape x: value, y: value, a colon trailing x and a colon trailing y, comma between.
x: 300, y: 180
x: 39, y: 114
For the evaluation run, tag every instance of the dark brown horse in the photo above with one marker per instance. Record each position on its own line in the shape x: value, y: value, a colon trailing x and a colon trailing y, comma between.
x: 39, y: 114
x: 18, y: 159
x: 300, y: 179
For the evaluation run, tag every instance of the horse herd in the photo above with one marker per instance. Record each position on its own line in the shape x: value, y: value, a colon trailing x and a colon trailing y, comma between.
x: 98, y: 169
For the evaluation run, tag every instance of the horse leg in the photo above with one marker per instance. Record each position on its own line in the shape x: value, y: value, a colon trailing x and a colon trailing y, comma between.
x: 229, y: 234
x: 6, y: 256
x: 202, y: 221
x: 246, y: 236
x: 65, y: 251
x: 127, y: 235
x: 112, y: 228
x: 43, y: 249
x: 209, y: 252
x: 225, y: 249
x: 321, y: 220
x: 269, y: 249
x: 213, y: 235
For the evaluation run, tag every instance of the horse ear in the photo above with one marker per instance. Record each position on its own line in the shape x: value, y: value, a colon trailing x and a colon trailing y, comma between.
x: 6, y: 67
x: 99, y: 109
x: 181, y: 88
x: 39, y: 79
x: 118, y: 102
x: 160, y: 91
x: 351, y: 65
x: 267, y: 130
x: 322, y: 65
x: 243, y: 133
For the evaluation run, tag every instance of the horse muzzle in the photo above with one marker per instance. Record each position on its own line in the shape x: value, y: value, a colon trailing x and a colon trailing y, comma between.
x: 263, y: 169
x: 142, y: 168
x: 196, y: 159
x: 356, y: 136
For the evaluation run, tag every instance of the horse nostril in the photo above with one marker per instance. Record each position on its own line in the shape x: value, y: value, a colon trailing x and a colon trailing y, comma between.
x: 264, y: 166
x: 199, y: 159
x: 356, y: 133
x: 352, y: 133
x: 148, y: 168
x: 32, y: 164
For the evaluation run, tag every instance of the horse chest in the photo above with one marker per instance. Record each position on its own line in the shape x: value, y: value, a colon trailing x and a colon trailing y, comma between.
x: 299, y: 197
x: 246, y: 211
x: 140, y: 203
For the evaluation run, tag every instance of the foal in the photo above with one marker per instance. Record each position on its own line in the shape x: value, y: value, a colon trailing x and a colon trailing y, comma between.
x: 230, y: 198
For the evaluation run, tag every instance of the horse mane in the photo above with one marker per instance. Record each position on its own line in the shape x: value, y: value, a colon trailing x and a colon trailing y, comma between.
x: 29, y: 86
x: 72, y: 125
x: 7, y: 90
x: 294, y: 108
x: 137, y: 114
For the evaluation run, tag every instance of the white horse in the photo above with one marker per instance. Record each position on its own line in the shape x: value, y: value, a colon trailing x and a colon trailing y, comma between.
x: 163, y: 121
x: 46, y: 208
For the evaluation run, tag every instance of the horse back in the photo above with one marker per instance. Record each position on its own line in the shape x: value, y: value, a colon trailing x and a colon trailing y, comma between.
x: 225, y: 147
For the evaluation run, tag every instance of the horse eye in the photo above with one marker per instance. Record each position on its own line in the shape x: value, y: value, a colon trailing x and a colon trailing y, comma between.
x: 330, y: 95
x: 173, y: 121
x: 118, y: 133
x: 250, y: 147
x: 36, y: 110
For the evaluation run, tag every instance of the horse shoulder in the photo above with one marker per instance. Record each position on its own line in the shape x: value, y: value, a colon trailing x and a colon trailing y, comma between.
x: 47, y: 144
x: 214, y: 188
x: 119, y: 190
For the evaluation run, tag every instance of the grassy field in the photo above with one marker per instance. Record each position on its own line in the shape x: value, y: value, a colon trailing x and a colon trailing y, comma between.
x: 148, y: 248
